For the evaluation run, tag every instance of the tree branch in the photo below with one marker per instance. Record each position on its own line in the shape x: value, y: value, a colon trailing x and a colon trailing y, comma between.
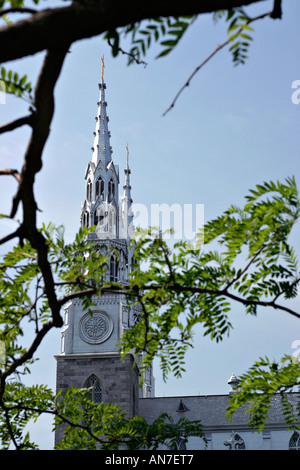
x: 17, y: 123
x: 222, y: 292
x: 44, y: 103
x: 17, y: 10
x: 217, y: 49
x: 49, y: 28
x: 17, y: 233
x: 11, y: 172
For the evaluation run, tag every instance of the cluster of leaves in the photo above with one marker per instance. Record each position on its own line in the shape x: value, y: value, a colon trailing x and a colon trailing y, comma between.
x: 265, y: 385
x: 10, y: 80
x: 90, y: 426
x: 167, y: 31
x: 15, y: 3
x: 23, y: 294
x: 20, y: 406
x: 178, y: 289
x: 15, y: 85
x: 238, y: 32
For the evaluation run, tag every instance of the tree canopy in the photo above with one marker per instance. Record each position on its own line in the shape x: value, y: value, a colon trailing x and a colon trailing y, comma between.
x: 181, y: 287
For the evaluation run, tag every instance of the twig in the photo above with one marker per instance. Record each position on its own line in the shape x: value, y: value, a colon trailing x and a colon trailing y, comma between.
x: 218, y: 48
x: 18, y: 10
x: 137, y: 61
x: 11, y: 172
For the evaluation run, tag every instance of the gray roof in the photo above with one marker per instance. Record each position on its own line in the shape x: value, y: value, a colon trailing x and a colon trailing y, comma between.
x: 210, y: 410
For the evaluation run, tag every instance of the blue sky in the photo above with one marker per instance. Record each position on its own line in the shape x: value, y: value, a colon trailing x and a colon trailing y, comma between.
x: 232, y: 128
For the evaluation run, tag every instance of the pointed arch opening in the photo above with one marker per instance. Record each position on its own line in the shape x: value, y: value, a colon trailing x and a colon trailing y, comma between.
x: 99, y: 217
x: 86, y: 219
x: 100, y: 188
x: 294, y: 443
x: 89, y: 190
x: 112, y: 220
x: 111, y: 190
x: 113, y: 269
x: 236, y: 442
x: 95, y: 389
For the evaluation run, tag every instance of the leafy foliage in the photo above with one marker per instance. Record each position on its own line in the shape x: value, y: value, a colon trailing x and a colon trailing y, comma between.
x: 179, y: 289
x: 238, y: 32
x: 256, y: 267
x: 169, y: 31
x: 15, y: 3
x: 265, y: 380
x: 23, y: 294
x: 15, y: 85
x: 91, y: 426
x: 166, y: 31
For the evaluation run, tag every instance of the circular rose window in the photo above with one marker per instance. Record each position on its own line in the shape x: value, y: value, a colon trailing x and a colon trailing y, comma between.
x: 95, y: 328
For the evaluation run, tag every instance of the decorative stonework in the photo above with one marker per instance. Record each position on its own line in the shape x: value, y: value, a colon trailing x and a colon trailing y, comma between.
x: 96, y: 328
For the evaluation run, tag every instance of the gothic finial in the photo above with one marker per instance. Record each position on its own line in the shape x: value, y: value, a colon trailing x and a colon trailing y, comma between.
x: 127, y: 154
x: 103, y: 67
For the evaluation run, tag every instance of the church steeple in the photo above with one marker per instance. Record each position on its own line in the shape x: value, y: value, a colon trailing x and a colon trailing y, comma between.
x: 90, y: 343
x: 102, y: 150
x: 101, y: 205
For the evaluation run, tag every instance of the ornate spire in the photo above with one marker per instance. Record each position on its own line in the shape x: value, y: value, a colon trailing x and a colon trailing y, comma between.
x: 127, y: 201
x: 101, y: 149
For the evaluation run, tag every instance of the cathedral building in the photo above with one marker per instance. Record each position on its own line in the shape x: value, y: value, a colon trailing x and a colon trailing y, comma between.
x: 89, y: 355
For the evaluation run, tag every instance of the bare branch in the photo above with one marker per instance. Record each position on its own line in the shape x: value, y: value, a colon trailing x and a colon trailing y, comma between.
x: 11, y: 172
x: 139, y: 62
x: 17, y: 123
x: 217, y: 49
x: 18, y: 10
x: 17, y: 233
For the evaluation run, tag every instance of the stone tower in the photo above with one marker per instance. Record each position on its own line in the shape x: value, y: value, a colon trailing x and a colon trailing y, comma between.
x: 89, y: 353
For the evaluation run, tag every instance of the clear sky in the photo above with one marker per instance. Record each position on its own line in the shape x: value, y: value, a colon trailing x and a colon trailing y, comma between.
x: 234, y: 127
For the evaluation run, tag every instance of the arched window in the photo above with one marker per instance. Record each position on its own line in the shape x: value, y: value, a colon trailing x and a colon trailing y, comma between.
x: 180, y: 444
x: 99, y: 217
x: 294, y: 443
x: 89, y: 190
x: 113, y: 269
x: 235, y: 442
x: 93, y: 383
x: 86, y: 219
x: 111, y: 190
x: 112, y: 221
x: 100, y: 188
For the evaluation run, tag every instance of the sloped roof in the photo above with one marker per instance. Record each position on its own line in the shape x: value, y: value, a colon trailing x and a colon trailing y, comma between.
x: 209, y: 409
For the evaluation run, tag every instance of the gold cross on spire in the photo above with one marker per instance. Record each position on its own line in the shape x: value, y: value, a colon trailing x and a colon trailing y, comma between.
x: 103, y: 66
x: 127, y: 154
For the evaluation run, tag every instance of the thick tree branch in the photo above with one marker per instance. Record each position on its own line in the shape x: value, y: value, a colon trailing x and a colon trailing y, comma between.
x: 17, y: 233
x: 44, y: 103
x: 50, y: 28
x: 17, y: 123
